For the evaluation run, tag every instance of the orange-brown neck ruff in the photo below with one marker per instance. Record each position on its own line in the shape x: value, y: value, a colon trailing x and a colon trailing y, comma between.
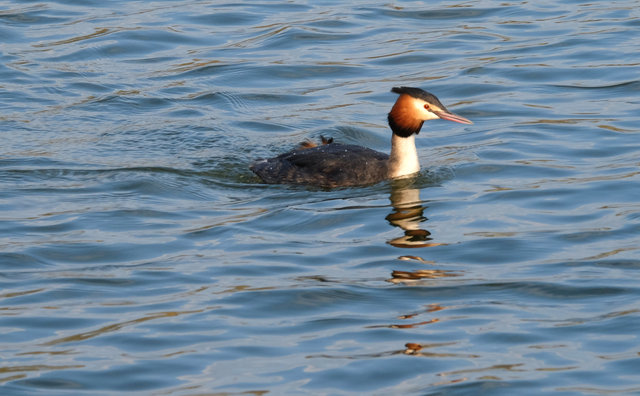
x: 402, y: 118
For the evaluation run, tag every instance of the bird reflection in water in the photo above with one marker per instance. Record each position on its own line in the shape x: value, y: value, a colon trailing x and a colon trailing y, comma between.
x: 408, y: 214
x: 431, y: 308
x: 409, y: 277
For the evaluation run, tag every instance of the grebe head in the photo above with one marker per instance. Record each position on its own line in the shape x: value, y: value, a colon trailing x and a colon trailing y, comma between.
x: 415, y: 106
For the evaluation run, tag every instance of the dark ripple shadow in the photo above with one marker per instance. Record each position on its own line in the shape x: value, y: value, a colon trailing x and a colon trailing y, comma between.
x: 628, y: 86
x: 453, y: 13
x: 235, y: 18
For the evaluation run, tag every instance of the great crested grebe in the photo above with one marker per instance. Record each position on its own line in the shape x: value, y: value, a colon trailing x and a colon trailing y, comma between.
x: 342, y: 165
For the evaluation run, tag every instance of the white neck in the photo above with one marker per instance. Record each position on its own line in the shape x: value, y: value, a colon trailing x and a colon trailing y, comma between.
x: 403, y: 160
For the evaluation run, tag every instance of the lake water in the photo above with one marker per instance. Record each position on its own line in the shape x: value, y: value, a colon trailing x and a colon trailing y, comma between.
x: 138, y: 253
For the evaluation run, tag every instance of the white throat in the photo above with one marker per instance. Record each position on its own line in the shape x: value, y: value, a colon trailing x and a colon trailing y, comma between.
x: 403, y: 160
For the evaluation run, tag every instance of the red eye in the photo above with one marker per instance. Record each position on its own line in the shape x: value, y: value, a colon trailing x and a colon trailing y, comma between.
x: 426, y: 106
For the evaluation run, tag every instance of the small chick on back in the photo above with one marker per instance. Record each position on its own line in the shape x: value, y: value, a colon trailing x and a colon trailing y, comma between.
x: 307, y: 144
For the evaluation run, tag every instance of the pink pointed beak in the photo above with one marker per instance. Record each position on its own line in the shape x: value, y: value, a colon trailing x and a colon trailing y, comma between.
x: 445, y: 115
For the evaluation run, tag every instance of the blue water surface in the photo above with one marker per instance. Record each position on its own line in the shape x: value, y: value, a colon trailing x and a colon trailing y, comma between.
x: 139, y: 254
